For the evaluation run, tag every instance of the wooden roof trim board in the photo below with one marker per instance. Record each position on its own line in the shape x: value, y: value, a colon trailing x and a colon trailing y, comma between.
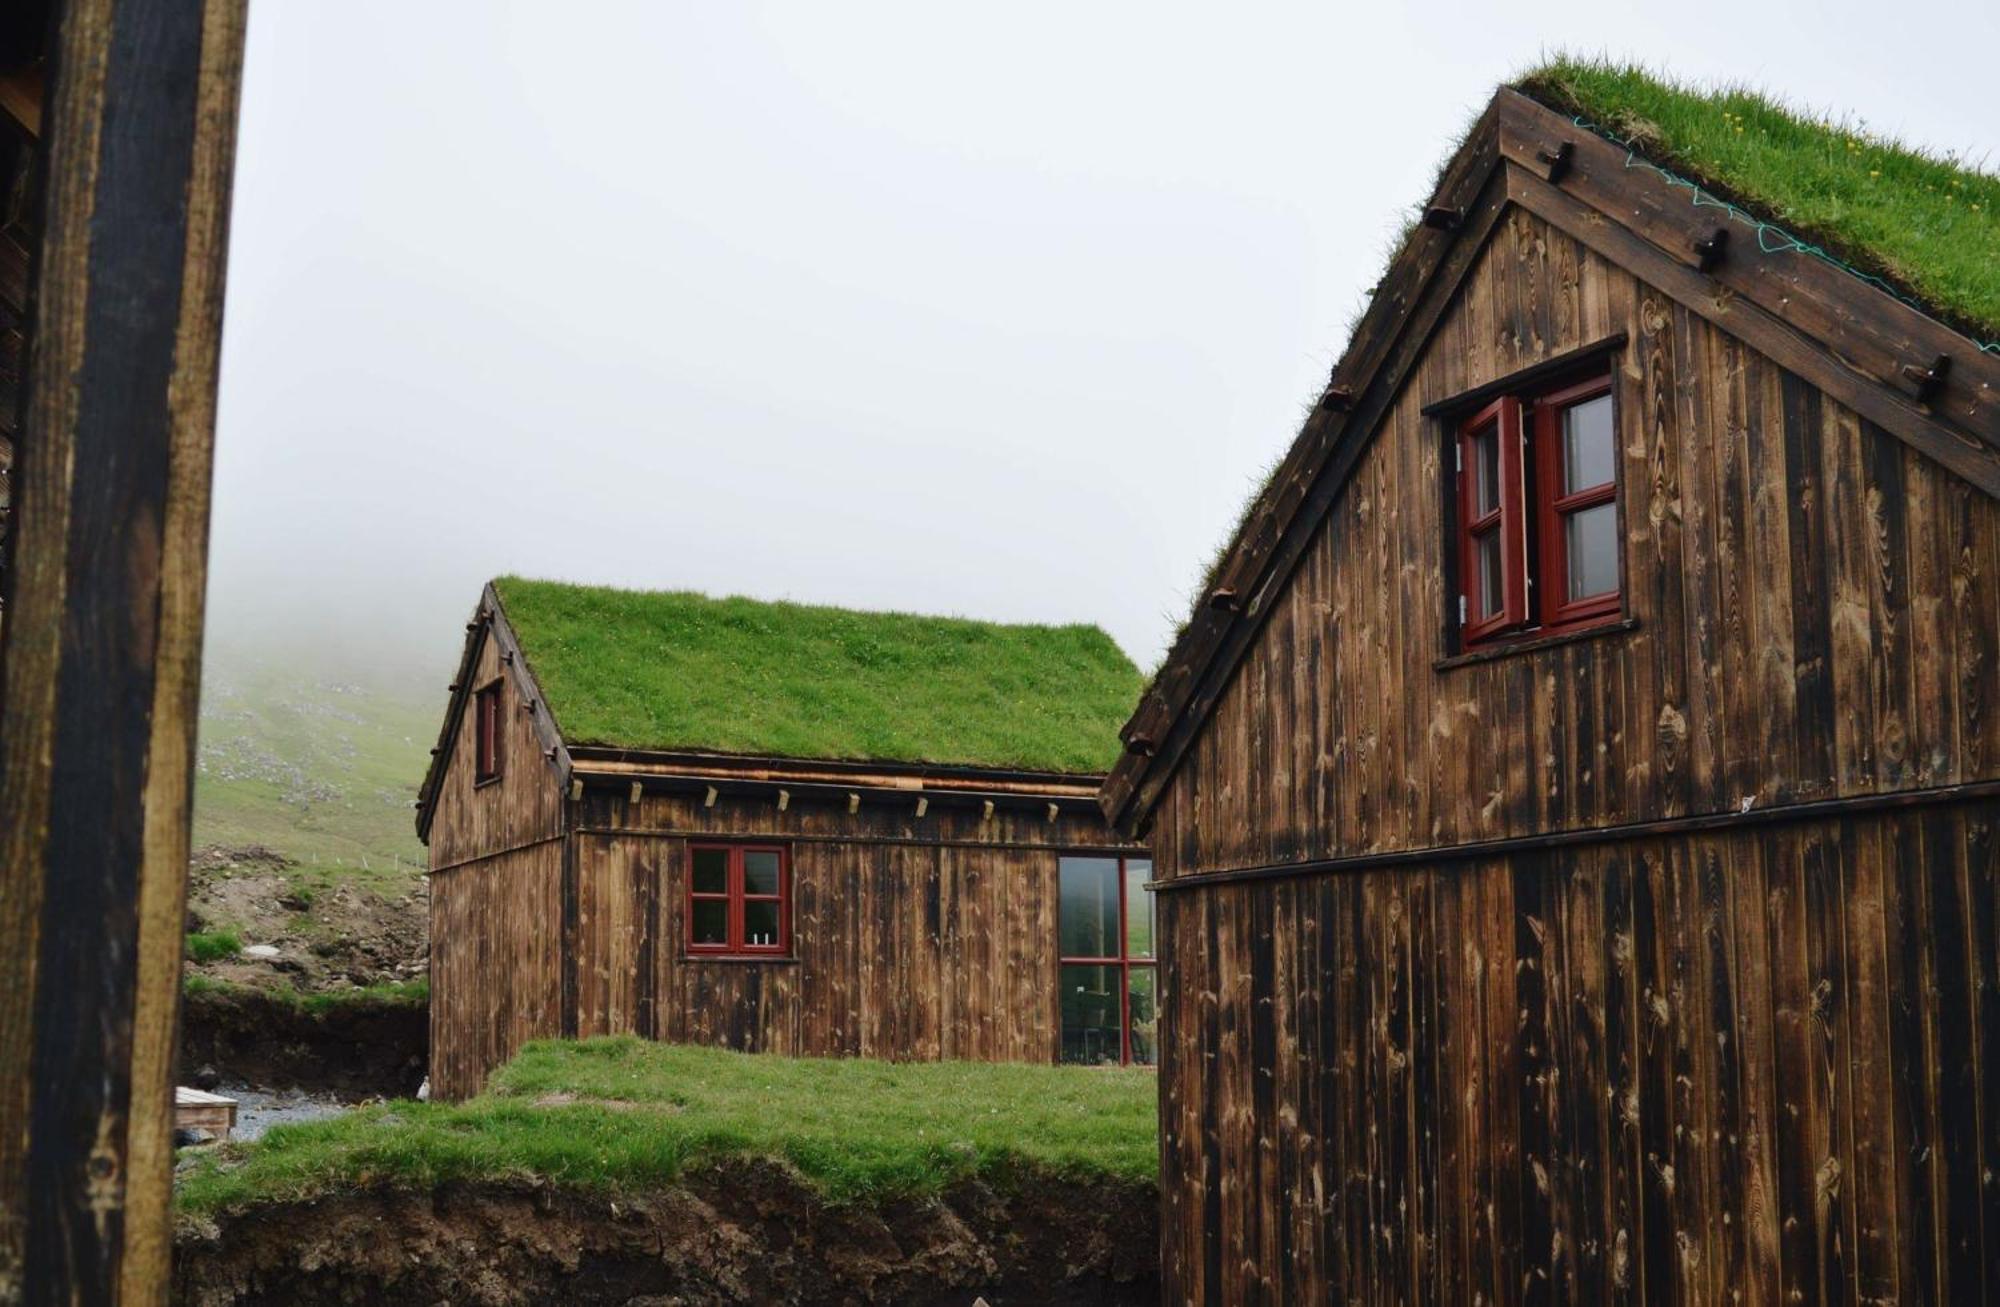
x: 599, y: 760
x: 1860, y: 344
x: 490, y: 621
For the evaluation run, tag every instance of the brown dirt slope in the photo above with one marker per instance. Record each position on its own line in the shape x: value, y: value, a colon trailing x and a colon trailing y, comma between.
x: 740, y: 1232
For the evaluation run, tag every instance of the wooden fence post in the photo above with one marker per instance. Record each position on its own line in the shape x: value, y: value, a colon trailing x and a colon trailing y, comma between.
x: 100, y: 653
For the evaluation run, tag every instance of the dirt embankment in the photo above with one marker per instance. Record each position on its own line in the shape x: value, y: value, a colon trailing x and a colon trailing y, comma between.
x: 740, y: 1232
x: 325, y: 928
x: 354, y: 1049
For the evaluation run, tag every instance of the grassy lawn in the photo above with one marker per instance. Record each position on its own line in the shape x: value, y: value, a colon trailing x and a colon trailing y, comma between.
x: 625, y: 1113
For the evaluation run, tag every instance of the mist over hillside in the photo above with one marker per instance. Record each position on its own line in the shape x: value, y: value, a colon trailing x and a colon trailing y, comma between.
x: 315, y: 751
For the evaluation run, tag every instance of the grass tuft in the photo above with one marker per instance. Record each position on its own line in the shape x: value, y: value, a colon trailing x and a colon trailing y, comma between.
x: 413, y: 993
x: 626, y: 1114
x: 213, y: 945
x: 677, y: 670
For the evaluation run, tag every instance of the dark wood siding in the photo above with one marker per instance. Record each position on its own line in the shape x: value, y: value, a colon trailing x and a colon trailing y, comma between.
x: 1815, y: 609
x: 1759, y: 1066
x: 496, y: 967
x: 1751, y: 1064
x: 912, y: 939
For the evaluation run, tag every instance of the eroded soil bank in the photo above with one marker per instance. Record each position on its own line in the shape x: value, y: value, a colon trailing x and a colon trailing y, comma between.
x: 357, y: 1048
x: 737, y: 1232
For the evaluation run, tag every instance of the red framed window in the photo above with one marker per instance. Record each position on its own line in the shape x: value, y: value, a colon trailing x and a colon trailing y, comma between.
x: 1537, y: 504
x: 486, y: 733
x: 739, y: 901
x: 1108, y: 971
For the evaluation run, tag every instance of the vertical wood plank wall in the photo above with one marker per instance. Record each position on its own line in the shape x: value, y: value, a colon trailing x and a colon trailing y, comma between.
x: 496, y: 963
x: 1756, y: 1066
x: 1759, y: 1067
x: 496, y: 900
x: 1816, y: 606
x: 913, y: 939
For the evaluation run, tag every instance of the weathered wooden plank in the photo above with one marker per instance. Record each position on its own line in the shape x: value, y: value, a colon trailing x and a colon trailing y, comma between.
x: 108, y: 537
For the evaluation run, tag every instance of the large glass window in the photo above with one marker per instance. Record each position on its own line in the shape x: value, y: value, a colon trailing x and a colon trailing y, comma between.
x: 739, y: 900
x: 1107, y: 971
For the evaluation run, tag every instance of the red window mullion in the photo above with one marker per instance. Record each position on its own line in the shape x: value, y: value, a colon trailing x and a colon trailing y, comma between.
x: 1556, y: 502
x: 1508, y: 518
x: 735, y: 898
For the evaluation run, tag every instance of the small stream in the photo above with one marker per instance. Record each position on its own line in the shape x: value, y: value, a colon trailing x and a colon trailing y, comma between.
x: 257, y: 1110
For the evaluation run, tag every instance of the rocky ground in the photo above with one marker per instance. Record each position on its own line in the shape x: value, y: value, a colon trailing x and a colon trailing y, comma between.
x: 304, y: 928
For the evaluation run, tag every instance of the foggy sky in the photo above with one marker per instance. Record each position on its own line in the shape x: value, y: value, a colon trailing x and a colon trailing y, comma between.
x: 997, y: 310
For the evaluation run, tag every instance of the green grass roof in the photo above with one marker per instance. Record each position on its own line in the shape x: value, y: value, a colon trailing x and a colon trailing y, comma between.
x: 1928, y: 224
x: 678, y: 670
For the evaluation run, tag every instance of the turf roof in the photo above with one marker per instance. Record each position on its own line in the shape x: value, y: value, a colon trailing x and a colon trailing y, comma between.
x: 679, y: 670
x: 1929, y: 224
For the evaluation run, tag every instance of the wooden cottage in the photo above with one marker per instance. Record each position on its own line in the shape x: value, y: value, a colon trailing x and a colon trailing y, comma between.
x: 780, y: 828
x: 1576, y: 799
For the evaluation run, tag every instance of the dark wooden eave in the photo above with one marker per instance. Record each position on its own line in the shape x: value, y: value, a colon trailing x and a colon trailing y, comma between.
x: 489, y: 622
x: 1859, y: 344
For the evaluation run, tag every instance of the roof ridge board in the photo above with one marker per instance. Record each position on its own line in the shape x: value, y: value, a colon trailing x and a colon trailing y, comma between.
x: 1855, y: 258
x: 440, y: 759
x: 1874, y: 331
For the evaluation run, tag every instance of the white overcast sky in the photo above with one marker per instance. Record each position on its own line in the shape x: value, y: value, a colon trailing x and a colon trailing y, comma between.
x: 992, y: 309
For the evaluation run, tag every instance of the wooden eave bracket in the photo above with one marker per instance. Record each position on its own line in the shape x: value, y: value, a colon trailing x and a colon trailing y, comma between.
x: 1927, y: 382
x: 1846, y: 337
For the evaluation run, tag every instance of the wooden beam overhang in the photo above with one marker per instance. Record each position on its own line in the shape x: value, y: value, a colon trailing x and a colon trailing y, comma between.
x: 1853, y: 340
x: 489, y: 621
x: 1072, y: 800
x: 905, y: 777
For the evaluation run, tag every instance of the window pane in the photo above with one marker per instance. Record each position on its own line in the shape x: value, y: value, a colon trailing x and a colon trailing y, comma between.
x: 711, y: 921
x: 760, y: 871
x: 1486, y: 470
x: 1138, y: 909
x: 1588, y: 452
x: 760, y: 923
x: 1145, y: 1017
x: 711, y: 871
x: 1490, y: 593
x: 1089, y: 927
x: 1090, y: 1014
x: 1592, y: 537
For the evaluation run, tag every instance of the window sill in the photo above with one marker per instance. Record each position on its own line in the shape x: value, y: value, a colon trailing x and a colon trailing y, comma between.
x: 770, y: 959
x: 1529, y: 644
x: 490, y: 780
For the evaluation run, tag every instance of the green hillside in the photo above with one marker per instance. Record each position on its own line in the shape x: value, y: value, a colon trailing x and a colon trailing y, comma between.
x: 315, y: 765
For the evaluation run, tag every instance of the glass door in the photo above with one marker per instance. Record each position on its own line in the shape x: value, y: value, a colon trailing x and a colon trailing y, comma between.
x: 1108, y: 969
